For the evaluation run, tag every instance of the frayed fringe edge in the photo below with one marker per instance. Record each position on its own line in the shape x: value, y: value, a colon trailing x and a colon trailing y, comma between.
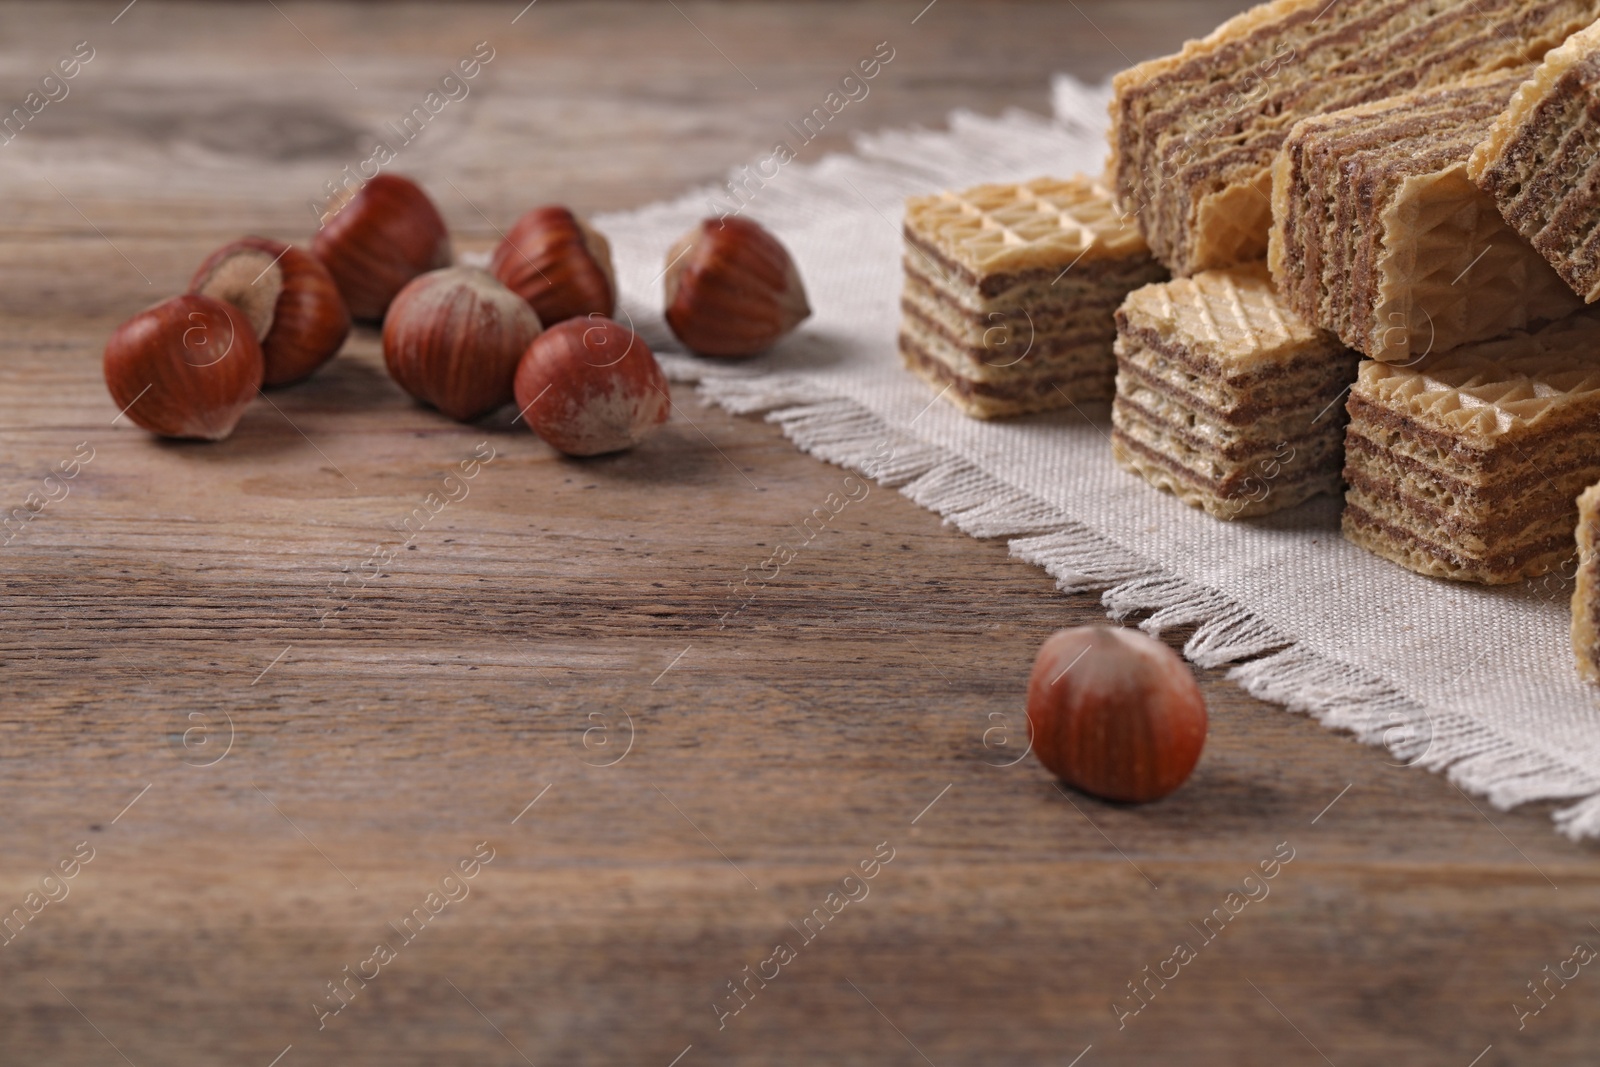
x: 1268, y: 663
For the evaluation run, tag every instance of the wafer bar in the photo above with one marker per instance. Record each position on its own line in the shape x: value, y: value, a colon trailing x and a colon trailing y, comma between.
x: 1225, y: 397
x: 1380, y: 236
x: 1194, y: 134
x: 1466, y: 464
x: 1010, y: 291
x: 1541, y: 162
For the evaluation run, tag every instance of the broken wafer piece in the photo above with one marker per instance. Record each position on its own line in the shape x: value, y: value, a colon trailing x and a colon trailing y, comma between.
x: 1586, y: 594
x: 1466, y: 464
x: 1541, y: 161
x: 1380, y: 236
x: 1193, y: 134
x: 1225, y: 397
x: 1010, y: 291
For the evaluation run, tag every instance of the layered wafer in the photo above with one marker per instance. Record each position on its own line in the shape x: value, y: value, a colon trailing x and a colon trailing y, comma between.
x: 1586, y: 594
x: 1194, y: 134
x: 1010, y: 292
x: 1541, y: 161
x: 1225, y: 397
x: 1466, y: 464
x: 1380, y: 236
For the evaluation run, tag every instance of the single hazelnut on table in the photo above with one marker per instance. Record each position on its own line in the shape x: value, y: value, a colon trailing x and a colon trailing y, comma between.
x: 731, y: 289
x: 1115, y: 713
x: 558, y: 263
x: 590, y: 386
x: 186, y: 367
x: 289, y: 297
x: 384, y: 235
x: 453, y: 338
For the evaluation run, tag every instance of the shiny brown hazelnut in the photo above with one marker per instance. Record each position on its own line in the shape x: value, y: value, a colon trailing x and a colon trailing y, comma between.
x: 591, y: 386
x: 1115, y: 713
x: 453, y: 338
x: 732, y: 289
x: 384, y: 235
x: 289, y: 298
x: 187, y: 367
x: 558, y: 263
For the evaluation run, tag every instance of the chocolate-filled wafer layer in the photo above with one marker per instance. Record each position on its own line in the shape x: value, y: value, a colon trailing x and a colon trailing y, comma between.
x: 1302, y: 390
x: 1194, y: 134
x: 1010, y: 292
x: 1046, y: 359
x: 1439, y: 558
x: 1223, y: 442
x: 990, y: 292
x: 1225, y: 398
x: 1541, y: 162
x: 1258, y: 489
x: 1466, y: 465
x: 1020, y: 396
x: 1380, y: 236
x: 1072, y: 301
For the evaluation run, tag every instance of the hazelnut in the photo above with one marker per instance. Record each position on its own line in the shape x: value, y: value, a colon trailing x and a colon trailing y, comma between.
x: 384, y: 235
x: 185, y: 368
x: 732, y: 290
x: 591, y: 386
x: 556, y: 262
x: 1115, y: 713
x: 453, y: 337
x: 289, y: 298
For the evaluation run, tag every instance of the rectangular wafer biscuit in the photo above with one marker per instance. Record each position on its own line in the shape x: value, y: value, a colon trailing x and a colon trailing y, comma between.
x: 1466, y: 464
x: 1380, y: 236
x: 1541, y: 162
x: 1010, y: 291
x: 1225, y: 397
x: 1194, y: 134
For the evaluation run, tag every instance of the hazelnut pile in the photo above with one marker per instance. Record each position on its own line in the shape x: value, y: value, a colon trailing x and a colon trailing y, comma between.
x: 535, y: 327
x: 1110, y: 711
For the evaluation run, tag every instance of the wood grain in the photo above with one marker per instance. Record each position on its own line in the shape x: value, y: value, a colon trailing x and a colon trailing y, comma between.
x: 299, y: 779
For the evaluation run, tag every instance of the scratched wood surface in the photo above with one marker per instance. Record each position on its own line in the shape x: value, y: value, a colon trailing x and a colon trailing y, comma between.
x: 260, y: 731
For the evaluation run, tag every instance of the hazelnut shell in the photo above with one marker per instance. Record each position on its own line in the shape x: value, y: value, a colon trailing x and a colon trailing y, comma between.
x: 558, y: 263
x: 591, y: 386
x: 732, y: 289
x: 1115, y: 713
x: 386, y: 234
x: 187, y: 367
x: 453, y: 337
x: 288, y: 296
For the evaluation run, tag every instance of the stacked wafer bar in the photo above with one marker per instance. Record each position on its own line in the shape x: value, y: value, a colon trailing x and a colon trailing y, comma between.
x: 1225, y: 397
x: 1541, y: 163
x: 1010, y: 290
x: 1586, y: 594
x: 1194, y: 134
x: 1466, y: 464
x: 1380, y: 236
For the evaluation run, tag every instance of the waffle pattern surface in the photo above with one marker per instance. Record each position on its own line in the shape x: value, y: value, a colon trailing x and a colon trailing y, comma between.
x: 1044, y: 224
x: 1010, y: 292
x: 1513, y: 387
x: 1194, y: 134
x: 1233, y: 317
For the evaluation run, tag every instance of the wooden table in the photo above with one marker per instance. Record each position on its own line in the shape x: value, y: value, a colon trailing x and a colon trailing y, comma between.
x: 541, y: 675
